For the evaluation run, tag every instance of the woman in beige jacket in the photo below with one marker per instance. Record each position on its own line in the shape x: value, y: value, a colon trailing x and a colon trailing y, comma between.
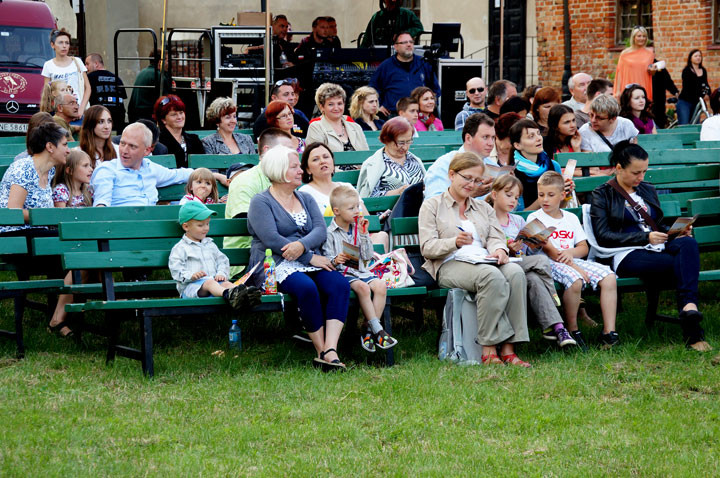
x: 455, y: 226
x: 333, y: 128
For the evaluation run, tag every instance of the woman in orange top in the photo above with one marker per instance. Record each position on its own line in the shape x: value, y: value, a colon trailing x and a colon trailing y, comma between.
x: 635, y: 64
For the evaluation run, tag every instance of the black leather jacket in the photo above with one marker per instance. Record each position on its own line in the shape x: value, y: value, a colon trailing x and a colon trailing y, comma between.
x: 607, y: 213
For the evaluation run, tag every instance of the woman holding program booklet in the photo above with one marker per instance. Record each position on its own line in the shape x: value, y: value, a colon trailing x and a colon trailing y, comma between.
x: 465, y: 248
x: 627, y: 222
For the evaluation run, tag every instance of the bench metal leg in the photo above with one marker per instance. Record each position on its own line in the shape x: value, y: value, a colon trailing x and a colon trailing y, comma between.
x: 651, y: 315
x: 387, y: 325
x: 19, y: 312
x: 113, y: 329
x: 148, y: 366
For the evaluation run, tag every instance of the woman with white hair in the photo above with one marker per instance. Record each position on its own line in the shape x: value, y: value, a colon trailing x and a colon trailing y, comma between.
x: 289, y: 224
x: 333, y: 128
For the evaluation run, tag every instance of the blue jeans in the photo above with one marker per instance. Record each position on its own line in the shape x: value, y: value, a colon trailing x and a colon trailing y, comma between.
x: 680, y: 261
x: 321, y: 295
x: 684, y: 111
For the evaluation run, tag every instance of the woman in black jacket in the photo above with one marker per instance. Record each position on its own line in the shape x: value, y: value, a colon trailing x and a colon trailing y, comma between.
x: 169, y: 112
x: 644, y: 248
x: 694, y: 86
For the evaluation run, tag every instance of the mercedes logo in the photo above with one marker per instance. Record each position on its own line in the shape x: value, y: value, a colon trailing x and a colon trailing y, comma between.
x: 12, y: 107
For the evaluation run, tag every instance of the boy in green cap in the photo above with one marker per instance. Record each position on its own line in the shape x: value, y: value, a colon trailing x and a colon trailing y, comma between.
x: 197, y: 264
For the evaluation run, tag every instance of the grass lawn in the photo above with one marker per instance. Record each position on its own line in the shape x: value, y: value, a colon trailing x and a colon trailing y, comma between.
x: 648, y: 408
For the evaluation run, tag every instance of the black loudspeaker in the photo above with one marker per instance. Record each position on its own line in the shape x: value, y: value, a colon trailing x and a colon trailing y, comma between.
x: 452, y: 75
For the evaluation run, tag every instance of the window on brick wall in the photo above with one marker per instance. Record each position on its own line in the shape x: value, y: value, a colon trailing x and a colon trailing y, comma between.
x: 413, y: 5
x: 631, y: 13
x: 716, y: 21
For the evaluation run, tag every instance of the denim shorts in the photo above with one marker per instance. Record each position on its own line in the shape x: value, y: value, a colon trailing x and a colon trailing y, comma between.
x: 192, y: 289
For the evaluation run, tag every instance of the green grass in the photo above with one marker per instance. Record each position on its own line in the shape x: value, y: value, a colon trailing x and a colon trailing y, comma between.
x: 649, y: 407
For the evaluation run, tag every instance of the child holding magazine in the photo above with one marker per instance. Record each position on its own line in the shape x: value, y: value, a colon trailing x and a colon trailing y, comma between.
x: 542, y: 298
x: 566, y: 248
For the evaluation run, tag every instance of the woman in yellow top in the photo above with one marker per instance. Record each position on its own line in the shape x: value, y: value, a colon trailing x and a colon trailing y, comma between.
x: 635, y: 64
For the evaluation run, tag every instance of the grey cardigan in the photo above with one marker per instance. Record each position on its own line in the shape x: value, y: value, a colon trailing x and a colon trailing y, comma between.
x: 271, y: 227
x: 214, y: 144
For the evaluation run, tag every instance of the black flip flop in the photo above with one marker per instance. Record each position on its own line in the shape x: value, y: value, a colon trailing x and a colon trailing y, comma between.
x: 56, y: 329
x: 333, y: 364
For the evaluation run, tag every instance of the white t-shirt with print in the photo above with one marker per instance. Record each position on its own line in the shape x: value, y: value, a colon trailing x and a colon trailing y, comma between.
x: 568, y: 230
x: 69, y: 74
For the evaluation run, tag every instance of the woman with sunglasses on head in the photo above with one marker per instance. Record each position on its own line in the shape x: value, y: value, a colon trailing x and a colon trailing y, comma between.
x: 635, y: 106
x: 279, y: 114
x: 694, y: 86
x: 635, y: 64
x: 67, y: 68
x: 223, y: 112
x: 333, y: 128
x: 286, y: 90
x: 169, y: 112
x: 393, y: 167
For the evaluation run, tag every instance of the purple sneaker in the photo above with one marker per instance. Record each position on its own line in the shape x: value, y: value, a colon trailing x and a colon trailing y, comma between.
x: 564, y: 338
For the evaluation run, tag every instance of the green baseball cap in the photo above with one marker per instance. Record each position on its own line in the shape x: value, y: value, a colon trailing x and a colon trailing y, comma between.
x: 194, y: 210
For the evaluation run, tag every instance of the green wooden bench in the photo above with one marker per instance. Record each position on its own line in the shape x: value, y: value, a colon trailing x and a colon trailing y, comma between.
x: 106, y: 260
x: 18, y: 289
x: 12, y: 140
x: 166, y: 160
x: 673, y: 178
x: 681, y: 128
x: 707, y: 144
x: 664, y: 157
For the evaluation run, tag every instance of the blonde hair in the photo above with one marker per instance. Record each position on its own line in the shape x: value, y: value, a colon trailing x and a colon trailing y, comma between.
x: 203, y: 174
x: 64, y: 175
x: 551, y: 178
x: 276, y: 162
x: 635, y: 31
x: 506, y: 182
x: 327, y: 91
x: 343, y: 193
x: 466, y: 160
x: 49, y: 92
x: 358, y: 99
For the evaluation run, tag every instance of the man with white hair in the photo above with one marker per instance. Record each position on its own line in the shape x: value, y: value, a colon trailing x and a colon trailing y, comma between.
x: 132, y: 179
x: 475, y: 93
x: 577, y: 84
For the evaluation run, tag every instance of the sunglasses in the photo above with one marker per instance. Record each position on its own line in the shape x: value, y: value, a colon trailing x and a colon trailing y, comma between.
x: 473, y: 90
x: 164, y: 101
x: 286, y: 81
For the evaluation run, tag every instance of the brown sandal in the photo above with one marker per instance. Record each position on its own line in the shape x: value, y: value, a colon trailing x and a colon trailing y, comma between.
x: 513, y: 359
x: 491, y: 359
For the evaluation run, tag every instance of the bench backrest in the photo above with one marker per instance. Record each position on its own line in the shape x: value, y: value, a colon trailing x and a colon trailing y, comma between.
x: 696, y: 177
x: 12, y: 245
x: 662, y: 157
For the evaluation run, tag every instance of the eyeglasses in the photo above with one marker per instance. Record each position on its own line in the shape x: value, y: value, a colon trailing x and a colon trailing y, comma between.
x: 285, y: 116
x: 402, y: 144
x: 473, y: 90
x: 599, y: 118
x: 406, y: 42
x: 477, y: 182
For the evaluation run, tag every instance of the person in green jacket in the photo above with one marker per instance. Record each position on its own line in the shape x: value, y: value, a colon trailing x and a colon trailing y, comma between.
x: 143, y: 99
x: 391, y: 19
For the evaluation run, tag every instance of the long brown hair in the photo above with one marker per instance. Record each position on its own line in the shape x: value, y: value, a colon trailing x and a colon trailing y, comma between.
x: 64, y: 175
x: 87, y: 135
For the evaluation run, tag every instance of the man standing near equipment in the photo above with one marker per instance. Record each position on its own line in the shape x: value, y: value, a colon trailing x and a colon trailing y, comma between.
x: 397, y: 76
x: 388, y: 22
x: 142, y: 100
x: 103, y: 91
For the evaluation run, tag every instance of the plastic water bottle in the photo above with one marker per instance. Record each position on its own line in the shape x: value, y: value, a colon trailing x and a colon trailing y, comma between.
x: 283, y: 60
x: 270, y: 286
x: 235, y: 338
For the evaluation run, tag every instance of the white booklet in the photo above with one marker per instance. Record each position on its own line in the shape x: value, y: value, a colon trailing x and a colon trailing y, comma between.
x: 474, y: 254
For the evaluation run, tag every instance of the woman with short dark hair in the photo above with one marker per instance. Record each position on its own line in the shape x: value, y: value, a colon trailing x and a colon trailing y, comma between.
x: 169, y: 112
x: 222, y: 112
x: 393, y: 167
x: 626, y: 217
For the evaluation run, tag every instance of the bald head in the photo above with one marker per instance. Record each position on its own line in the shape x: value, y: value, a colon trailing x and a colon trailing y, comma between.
x: 577, y: 84
x: 475, y: 91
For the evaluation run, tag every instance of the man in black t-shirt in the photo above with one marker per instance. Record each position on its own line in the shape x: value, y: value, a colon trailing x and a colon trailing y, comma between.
x: 103, y: 90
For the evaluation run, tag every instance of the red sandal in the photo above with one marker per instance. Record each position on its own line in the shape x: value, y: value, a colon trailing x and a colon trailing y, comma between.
x: 513, y: 359
x: 491, y: 359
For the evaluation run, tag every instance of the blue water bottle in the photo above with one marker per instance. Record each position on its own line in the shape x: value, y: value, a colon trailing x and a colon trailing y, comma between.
x: 235, y: 339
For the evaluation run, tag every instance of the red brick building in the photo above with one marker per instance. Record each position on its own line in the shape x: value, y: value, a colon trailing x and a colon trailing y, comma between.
x: 600, y: 27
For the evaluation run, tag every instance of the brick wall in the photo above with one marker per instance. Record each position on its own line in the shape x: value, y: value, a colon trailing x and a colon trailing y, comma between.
x: 679, y: 26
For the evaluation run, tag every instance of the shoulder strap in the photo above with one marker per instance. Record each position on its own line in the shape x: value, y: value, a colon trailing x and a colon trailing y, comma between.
x: 635, y: 206
x: 605, y: 140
